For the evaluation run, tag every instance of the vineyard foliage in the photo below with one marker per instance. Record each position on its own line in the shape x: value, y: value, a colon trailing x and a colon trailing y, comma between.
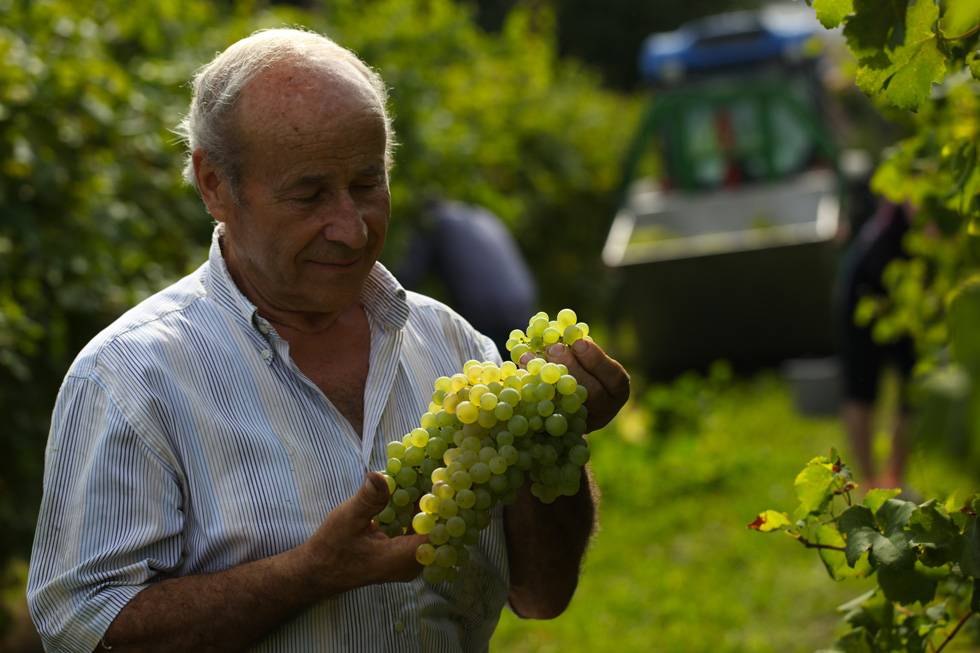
x: 922, y: 56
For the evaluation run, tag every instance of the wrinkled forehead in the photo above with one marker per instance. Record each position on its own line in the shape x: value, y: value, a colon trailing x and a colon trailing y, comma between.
x: 292, y: 100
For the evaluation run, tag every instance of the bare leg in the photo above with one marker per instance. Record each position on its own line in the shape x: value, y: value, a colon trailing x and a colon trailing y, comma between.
x: 858, y: 420
x: 894, y: 471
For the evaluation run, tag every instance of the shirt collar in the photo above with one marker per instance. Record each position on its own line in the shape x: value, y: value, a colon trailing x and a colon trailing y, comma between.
x: 382, y: 296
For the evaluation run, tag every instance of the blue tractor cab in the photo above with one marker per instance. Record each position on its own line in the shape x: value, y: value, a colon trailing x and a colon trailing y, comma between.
x: 724, y: 250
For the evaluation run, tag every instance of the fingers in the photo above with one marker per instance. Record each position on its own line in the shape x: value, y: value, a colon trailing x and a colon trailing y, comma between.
x: 369, y: 500
x: 607, y: 371
x: 398, y: 560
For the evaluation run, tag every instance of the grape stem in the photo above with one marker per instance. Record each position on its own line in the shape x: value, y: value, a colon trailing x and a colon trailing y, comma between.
x: 813, y: 545
x: 955, y: 630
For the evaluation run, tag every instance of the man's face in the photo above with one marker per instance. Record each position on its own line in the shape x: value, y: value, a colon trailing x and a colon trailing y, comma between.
x: 313, y: 198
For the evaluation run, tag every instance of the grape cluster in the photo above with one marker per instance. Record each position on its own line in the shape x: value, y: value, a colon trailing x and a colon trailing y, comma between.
x: 486, y: 428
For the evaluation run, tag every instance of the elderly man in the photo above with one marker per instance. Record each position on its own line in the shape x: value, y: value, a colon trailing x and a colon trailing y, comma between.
x: 205, y: 483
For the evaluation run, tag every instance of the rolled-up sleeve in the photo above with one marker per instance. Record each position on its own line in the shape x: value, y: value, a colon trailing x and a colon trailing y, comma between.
x: 110, y: 520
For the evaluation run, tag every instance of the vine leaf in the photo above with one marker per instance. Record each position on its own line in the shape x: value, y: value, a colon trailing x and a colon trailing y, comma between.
x: 832, y: 13
x: 875, y: 498
x: 936, y: 534
x: 899, y: 57
x: 970, y: 558
x: 906, y: 585
x: 960, y: 18
x: 814, y: 486
x: 973, y: 61
x: 770, y: 520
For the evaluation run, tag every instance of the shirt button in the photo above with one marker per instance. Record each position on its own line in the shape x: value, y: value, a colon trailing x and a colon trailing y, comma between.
x: 267, y: 354
x: 264, y: 327
x: 399, y: 626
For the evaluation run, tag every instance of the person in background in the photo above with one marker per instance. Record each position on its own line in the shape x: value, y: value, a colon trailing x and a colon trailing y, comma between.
x: 474, y: 255
x: 877, y: 227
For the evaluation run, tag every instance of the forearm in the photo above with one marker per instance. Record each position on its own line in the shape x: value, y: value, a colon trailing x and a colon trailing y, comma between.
x: 545, y: 545
x: 225, y: 611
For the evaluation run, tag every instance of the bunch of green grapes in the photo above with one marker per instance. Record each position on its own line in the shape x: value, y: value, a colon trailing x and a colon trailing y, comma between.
x: 485, y: 430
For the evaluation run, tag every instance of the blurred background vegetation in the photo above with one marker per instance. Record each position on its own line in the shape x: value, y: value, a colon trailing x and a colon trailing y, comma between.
x: 525, y: 107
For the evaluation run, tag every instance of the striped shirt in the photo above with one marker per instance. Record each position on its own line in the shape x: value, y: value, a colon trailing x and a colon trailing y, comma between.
x: 186, y: 441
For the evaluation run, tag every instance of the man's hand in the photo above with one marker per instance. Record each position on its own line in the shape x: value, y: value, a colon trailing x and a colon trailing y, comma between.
x: 349, y: 551
x: 605, y: 379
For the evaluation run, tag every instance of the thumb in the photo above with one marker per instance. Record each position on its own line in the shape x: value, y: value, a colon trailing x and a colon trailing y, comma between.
x: 370, y: 499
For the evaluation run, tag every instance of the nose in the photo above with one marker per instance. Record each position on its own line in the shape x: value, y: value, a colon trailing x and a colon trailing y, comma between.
x: 344, y: 222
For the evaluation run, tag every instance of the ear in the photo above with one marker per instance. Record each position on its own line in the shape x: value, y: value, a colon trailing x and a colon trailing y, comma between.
x: 214, y: 187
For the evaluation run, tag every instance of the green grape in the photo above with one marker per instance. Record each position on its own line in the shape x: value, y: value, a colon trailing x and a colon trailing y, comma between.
x: 503, y: 411
x: 556, y: 424
x: 470, y: 443
x: 440, y: 474
x: 536, y: 423
x: 482, y: 519
x: 488, y: 401
x: 387, y: 515
x: 423, y: 523
x: 483, y: 500
x: 584, y: 327
x: 465, y: 498
x: 476, y: 392
x: 566, y: 317
x: 518, y: 351
x: 578, y: 455
x: 460, y: 481
x: 429, y: 503
x: 498, y: 484
x: 447, y: 508
x: 571, y: 334
x: 545, y: 408
x: 401, y: 497
x: 537, y: 327
x: 497, y: 465
x: 473, y: 374
x: 566, y: 384
x: 445, y: 556
x: 550, y: 373
x: 443, y: 490
x: 582, y: 393
x: 509, y: 396
x: 425, y: 553
x: 517, y: 335
x: 390, y: 482
x: 524, y: 460
x: 443, y: 383
x: 486, y: 419
x: 420, y: 437
x: 487, y: 454
x: 467, y: 412
x: 509, y: 454
x: 515, y: 478
x: 435, y: 448
x: 455, y: 526
x: 394, y: 465
x: 395, y: 449
x: 406, y: 477
x: 534, y: 365
x: 414, y: 456
x: 570, y: 403
x: 490, y: 376
x: 504, y: 438
x: 428, y: 420
x: 517, y: 425
x: 439, y: 535
x: 458, y: 382
x: 570, y: 473
x: 545, y: 391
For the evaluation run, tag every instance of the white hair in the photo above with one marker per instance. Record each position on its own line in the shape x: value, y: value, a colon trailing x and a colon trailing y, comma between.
x: 216, y: 87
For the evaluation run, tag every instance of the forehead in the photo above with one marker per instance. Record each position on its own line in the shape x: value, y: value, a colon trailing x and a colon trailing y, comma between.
x: 293, y: 105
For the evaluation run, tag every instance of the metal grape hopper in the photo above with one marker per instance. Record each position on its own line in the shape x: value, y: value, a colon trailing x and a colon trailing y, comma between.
x: 728, y: 253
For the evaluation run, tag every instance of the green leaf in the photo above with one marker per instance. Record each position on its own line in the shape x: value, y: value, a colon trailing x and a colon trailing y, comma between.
x: 973, y: 61
x: 855, y: 517
x: 859, y: 541
x: 770, y: 520
x: 874, y: 499
x: 894, y: 515
x: 936, y: 534
x: 906, y: 585
x: 898, y: 52
x: 970, y: 557
x: 959, y: 18
x: 814, y: 486
x: 832, y: 13
x: 893, y: 551
x: 836, y: 562
x: 963, y: 319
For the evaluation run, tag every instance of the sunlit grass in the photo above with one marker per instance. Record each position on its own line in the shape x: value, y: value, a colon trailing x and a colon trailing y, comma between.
x: 674, y: 567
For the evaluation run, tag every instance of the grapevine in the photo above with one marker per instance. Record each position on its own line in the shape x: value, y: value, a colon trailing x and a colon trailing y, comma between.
x: 486, y: 430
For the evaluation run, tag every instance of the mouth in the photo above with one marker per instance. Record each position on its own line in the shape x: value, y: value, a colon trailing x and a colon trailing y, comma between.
x: 338, y: 264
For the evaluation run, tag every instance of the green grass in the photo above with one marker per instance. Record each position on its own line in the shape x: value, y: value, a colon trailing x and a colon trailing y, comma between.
x: 674, y: 568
